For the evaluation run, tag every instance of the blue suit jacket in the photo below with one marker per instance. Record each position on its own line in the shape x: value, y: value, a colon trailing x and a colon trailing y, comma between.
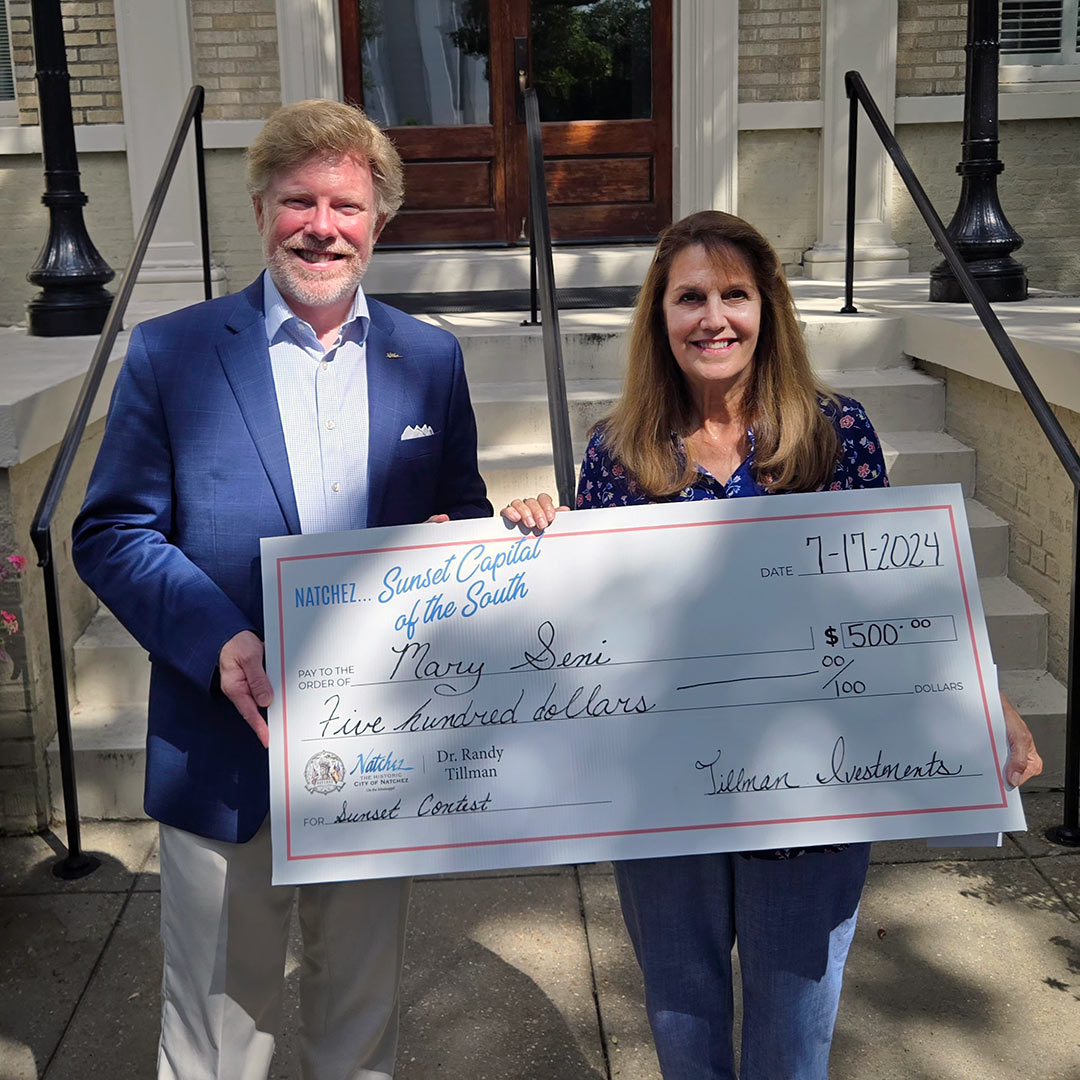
x: 191, y: 474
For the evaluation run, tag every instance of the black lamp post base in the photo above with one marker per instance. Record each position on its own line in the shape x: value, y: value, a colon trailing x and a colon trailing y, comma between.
x: 1063, y: 834
x: 49, y: 315
x: 1001, y: 281
x: 73, y: 867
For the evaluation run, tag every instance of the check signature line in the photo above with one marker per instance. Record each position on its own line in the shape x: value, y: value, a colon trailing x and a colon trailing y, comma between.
x: 749, y: 678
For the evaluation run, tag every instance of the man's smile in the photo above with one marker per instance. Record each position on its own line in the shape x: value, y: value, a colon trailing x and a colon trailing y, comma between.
x: 318, y: 256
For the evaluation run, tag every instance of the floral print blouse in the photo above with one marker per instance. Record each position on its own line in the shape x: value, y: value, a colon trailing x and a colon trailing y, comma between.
x: 604, y: 482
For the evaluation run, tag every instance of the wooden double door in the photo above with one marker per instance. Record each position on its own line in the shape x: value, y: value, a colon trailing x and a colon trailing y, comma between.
x: 445, y: 79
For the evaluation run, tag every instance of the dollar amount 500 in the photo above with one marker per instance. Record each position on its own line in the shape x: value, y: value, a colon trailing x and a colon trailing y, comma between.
x: 872, y: 635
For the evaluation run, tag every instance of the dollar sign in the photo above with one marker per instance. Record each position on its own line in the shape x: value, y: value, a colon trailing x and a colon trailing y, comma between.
x: 831, y: 636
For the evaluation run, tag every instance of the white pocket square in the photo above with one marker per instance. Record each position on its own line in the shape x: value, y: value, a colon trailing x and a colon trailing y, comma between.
x: 420, y: 432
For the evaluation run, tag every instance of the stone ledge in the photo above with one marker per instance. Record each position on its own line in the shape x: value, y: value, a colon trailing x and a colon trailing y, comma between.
x: 42, y: 379
x: 1045, y: 330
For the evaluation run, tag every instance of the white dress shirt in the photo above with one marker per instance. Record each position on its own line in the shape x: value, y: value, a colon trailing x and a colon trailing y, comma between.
x: 323, y: 401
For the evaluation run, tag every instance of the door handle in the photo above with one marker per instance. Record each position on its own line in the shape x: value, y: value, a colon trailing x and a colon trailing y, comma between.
x: 521, y: 66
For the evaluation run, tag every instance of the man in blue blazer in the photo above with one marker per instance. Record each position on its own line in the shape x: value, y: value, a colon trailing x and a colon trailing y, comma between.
x: 295, y: 406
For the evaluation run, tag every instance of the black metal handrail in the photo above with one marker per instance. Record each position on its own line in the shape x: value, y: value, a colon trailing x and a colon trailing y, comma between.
x: 540, y: 252
x: 858, y: 94
x: 77, y: 863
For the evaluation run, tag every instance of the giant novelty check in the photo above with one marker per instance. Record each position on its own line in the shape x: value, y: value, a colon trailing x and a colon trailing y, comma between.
x: 721, y: 675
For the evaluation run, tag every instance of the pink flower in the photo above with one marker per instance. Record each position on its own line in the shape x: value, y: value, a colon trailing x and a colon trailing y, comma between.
x: 847, y: 421
x: 835, y: 485
x: 11, y: 622
x: 864, y: 471
x: 870, y: 447
x: 18, y: 562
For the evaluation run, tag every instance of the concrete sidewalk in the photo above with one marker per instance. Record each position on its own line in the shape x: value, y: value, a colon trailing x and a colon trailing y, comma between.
x: 966, y: 965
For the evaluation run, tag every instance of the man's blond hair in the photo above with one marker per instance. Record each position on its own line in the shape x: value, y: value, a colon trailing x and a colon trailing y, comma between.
x: 297, y: 133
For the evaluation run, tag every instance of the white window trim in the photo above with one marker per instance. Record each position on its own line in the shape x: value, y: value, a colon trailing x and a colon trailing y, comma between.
x: 1021, y: 75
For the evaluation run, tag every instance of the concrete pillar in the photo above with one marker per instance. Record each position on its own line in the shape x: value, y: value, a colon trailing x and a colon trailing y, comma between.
x: 154, y: 40
x: 859, y: 37
x: 706, y: 142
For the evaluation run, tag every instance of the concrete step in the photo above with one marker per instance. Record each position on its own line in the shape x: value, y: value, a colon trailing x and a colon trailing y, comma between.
x: 989, y: 539
x: 912, y: 457
x: 928, y: 457
x: 895, y: 399
x: 516, y: 411
x: 496, y: 346
x: 867, y: 340
x: 1041, y: 700
x: 511, y: 413
x: 440, y: 270
x: 512, y: 472
x: 1016, y: 624
x: 110, y: 762
x: 493, y: 357
x: 110, y: 667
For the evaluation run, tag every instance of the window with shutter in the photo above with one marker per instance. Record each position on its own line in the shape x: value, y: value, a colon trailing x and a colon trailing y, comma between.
x: 9, y: 109
x: 1039, y: 32
x: 7, y: 72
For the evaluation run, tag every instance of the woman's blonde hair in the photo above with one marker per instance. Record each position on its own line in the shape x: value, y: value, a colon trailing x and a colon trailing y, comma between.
x: 796, y: 445
x: 295, y: 134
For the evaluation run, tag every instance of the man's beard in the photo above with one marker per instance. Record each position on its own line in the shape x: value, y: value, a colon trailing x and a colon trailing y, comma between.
x: 315, y: 288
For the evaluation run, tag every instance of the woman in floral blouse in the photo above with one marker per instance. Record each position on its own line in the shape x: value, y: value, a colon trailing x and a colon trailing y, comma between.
x: 720, y: 402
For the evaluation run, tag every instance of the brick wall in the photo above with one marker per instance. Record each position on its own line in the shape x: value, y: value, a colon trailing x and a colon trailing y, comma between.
x: 93, y: 61
x: 930, y: 42
x: 1038, y: 189
x: 1020, y: 478
x: 779, y: 50
x: 236, y: 57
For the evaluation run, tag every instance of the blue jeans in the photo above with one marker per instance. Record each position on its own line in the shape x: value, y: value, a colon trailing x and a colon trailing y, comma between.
x: 793, y: 920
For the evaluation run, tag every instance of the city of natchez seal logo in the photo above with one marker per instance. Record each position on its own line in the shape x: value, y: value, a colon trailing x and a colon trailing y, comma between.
x: 324, y: 773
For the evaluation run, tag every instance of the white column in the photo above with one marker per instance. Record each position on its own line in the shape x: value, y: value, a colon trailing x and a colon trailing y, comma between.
x: 156, y: 72
x: 862, y: 37
x: 706, y: 74
x: 309, y: 48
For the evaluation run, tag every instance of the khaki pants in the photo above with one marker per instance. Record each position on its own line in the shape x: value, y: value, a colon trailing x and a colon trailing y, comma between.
x: 225, y: 929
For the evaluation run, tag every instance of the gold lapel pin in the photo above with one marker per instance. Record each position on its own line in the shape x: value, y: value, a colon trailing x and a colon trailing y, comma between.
x: 393, y: 356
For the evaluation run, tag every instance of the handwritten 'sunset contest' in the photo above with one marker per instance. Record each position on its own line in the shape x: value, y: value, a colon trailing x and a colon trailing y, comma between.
x: 658, y: 680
